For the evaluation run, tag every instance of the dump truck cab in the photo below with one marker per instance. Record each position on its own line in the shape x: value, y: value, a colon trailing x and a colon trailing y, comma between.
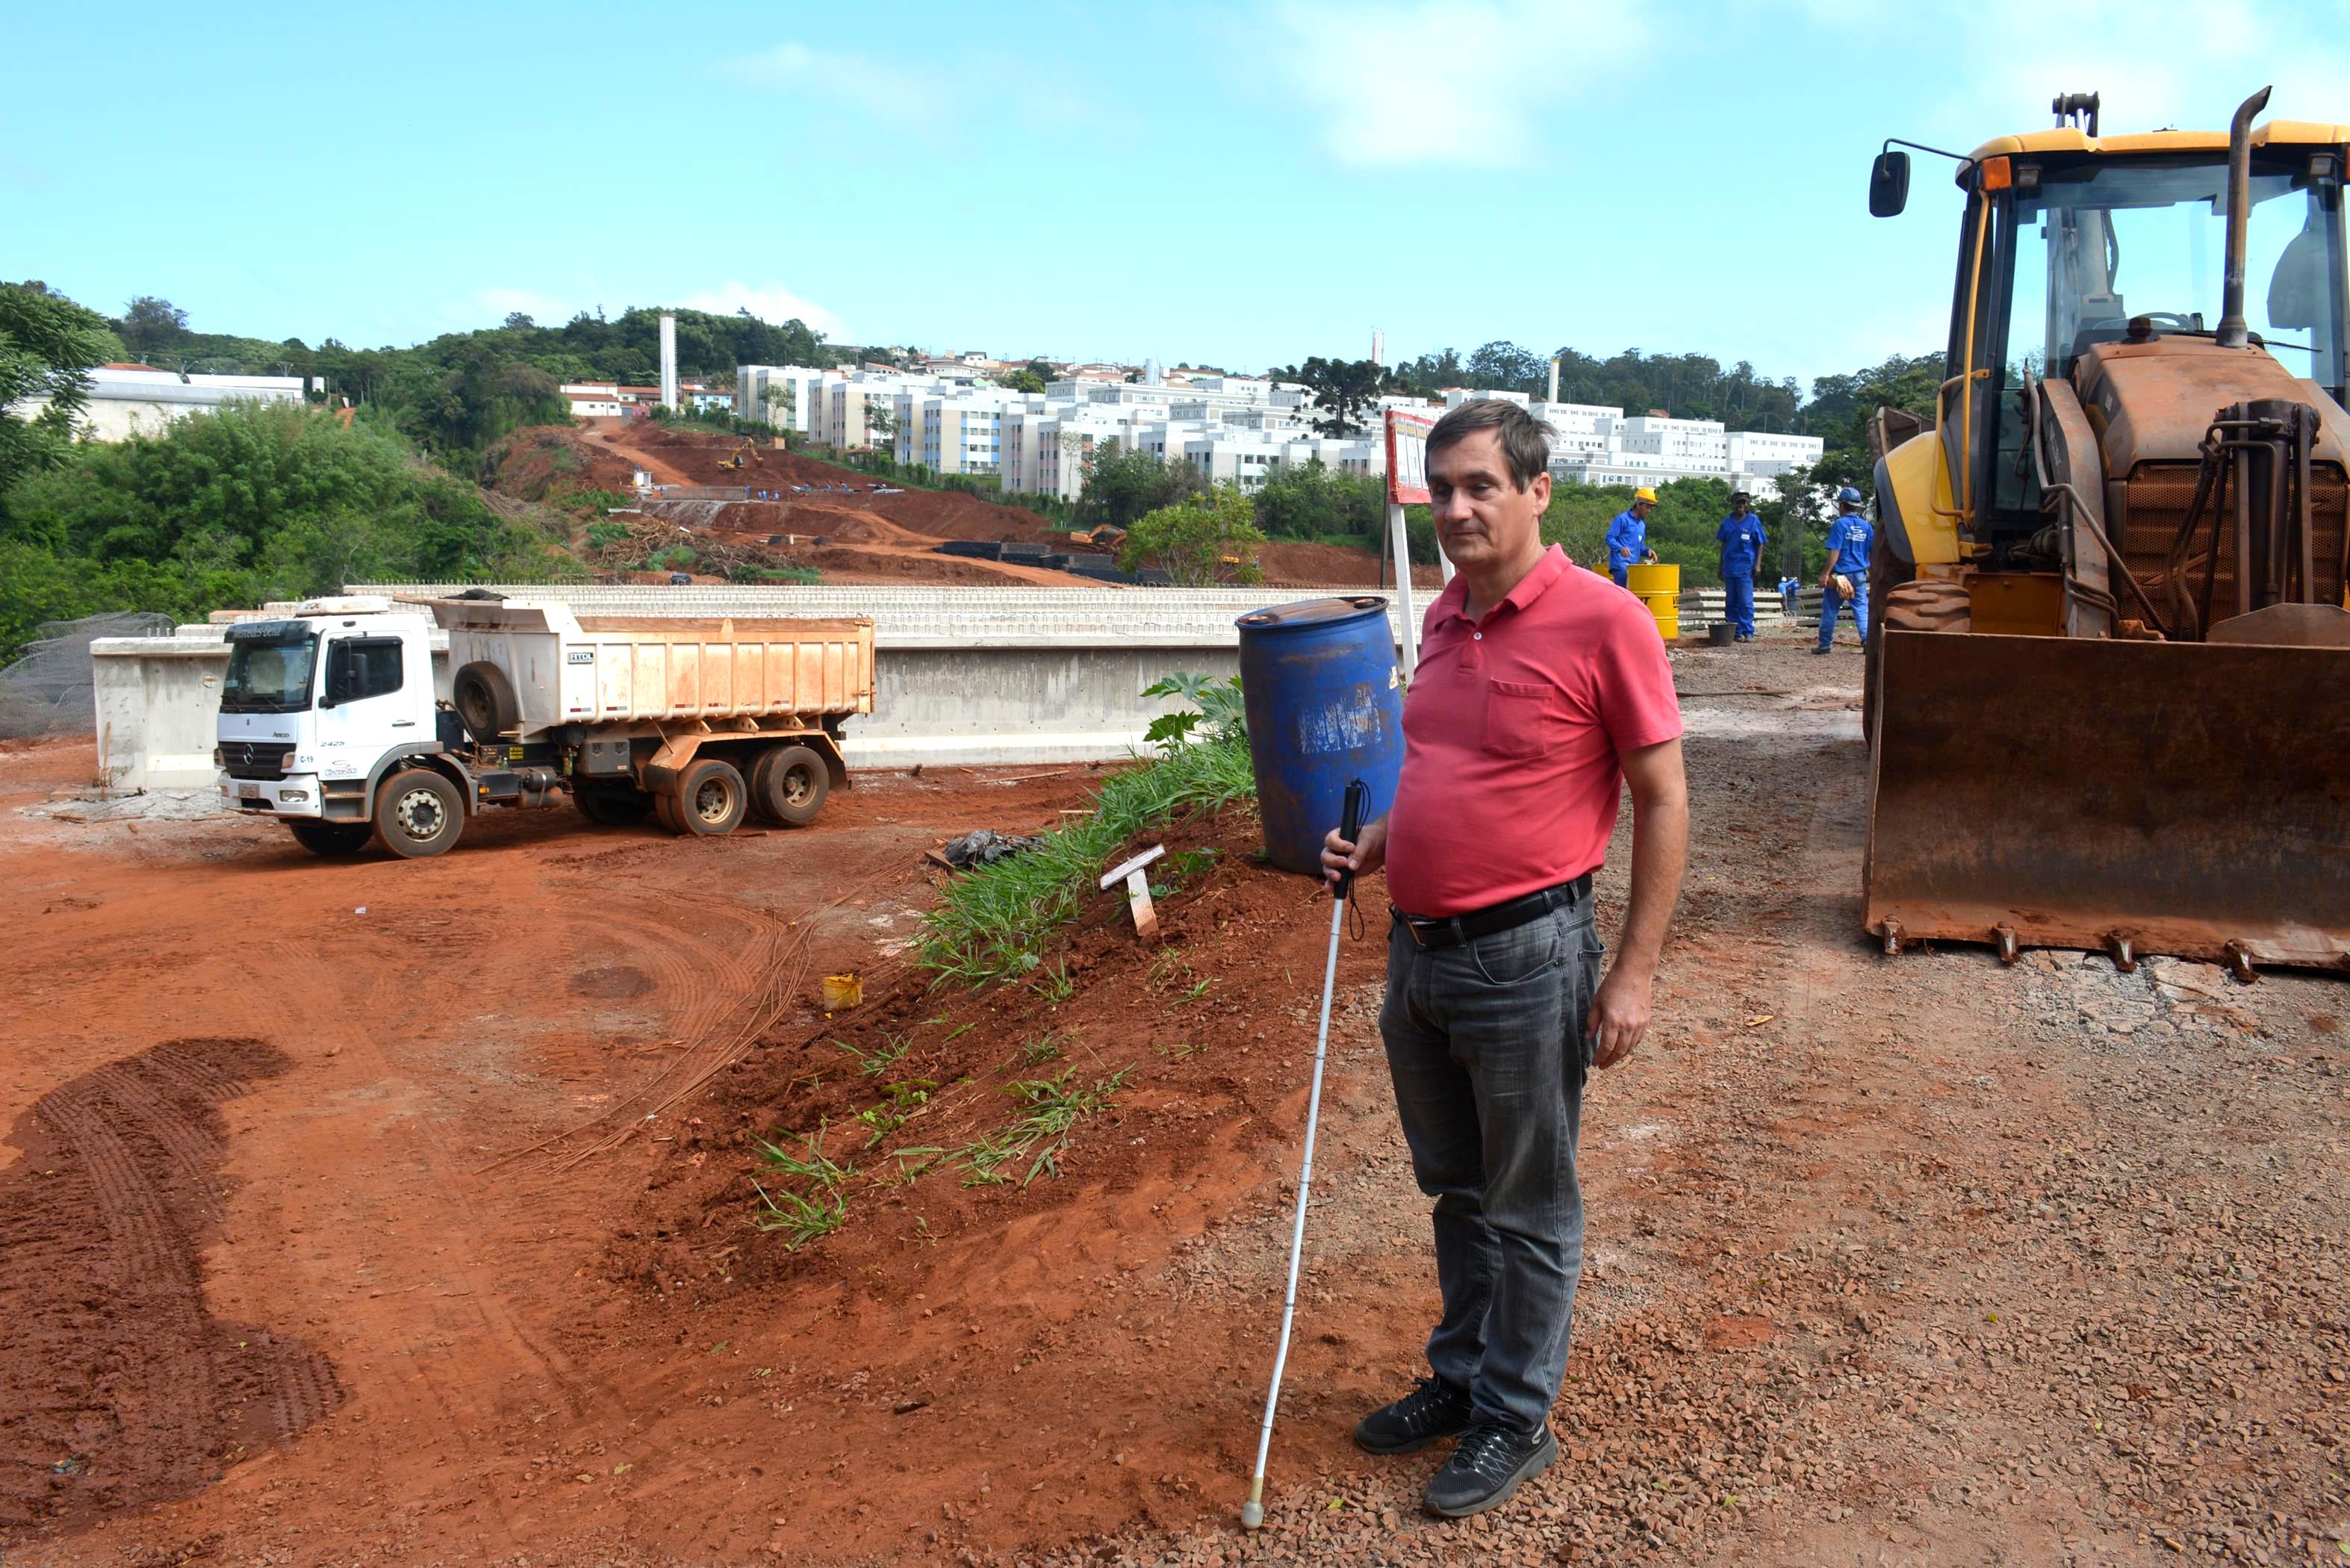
x: 2110, y: 641
x: 315, y: 707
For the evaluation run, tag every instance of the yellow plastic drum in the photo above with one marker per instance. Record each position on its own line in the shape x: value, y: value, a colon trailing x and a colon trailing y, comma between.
x: 1660, y: 587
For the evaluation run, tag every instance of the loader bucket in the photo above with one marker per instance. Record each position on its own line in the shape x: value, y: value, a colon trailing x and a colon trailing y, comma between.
x: 2140, y: 797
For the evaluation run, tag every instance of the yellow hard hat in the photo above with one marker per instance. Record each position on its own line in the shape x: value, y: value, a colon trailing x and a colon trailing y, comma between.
x: 1644, y: 493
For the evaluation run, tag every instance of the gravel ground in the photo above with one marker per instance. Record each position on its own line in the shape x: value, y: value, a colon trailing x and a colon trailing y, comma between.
x: 1891, y: 1261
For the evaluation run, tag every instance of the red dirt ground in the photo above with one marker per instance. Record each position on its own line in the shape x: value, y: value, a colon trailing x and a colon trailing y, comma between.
x: 1923, y: 1261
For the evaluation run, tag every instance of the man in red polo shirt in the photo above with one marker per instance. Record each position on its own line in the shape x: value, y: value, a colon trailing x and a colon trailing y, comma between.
x: 1540, y: 693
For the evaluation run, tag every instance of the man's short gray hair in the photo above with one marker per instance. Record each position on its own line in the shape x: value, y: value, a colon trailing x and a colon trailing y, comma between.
x: 1525, y: 440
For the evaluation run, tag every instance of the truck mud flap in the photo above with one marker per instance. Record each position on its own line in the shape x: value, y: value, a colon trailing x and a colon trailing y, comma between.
x: 2136, y: 797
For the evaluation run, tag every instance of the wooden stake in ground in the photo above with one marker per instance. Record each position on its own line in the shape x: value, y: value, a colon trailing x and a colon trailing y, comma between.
x: 1137, y: 890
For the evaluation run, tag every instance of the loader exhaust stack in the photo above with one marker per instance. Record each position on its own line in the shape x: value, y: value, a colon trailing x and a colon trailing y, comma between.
x: 2232, y: 331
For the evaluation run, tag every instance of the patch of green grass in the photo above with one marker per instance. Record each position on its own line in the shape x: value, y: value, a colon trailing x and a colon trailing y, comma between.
x: 751, y: 572
x: 1053, y: 1107
x: 801, y: 1218
x: 1053, y: 982
x: 957, y: 1030
x: 905, y: 1101
x: 813, y: 1165
x: 872, y: 1064
x: 994, y: 922
x: 1045, y: 1047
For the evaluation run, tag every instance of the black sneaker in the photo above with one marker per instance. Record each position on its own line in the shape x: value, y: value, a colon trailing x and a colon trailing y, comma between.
x: 1486, y: 1468
x: 1434, y: 1410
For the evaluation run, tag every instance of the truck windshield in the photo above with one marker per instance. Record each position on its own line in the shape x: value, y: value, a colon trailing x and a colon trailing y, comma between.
x: 2099, y: 243
x: 269, y: 669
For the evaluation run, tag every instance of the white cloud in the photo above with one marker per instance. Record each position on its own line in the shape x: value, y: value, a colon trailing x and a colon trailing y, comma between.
x: 769, y: 302
x: 847, y: 81
x: 1406, y: 83
x: 2185, y: 63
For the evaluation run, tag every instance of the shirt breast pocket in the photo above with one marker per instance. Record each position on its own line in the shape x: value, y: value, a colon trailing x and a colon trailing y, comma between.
x: 1522, y: 718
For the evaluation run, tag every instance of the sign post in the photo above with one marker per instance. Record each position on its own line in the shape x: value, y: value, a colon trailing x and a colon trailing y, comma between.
x: 1406, y: 485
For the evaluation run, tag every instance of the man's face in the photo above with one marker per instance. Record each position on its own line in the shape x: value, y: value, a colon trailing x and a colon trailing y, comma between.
x: 1738, y: 509
x: 1640, y: 510
x: 1480, y: 517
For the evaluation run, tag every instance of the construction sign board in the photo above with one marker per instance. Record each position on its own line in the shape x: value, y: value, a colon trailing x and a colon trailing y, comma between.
x: 1407, y: 457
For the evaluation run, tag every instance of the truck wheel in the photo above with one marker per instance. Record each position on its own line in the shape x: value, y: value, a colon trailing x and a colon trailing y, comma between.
x: 710, y: 799
x: 485, y: 700
x: 788, y: 784
x: 331, y: 838
x: 613, y: 807
x: 419, y: 813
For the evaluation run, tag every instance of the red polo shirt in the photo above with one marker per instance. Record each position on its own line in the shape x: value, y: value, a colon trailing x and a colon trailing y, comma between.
x: 1511, y: 729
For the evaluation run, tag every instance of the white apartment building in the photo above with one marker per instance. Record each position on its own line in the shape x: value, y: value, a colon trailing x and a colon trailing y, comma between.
x: 594, y: 399
x: 128, y: 399
x: 779, y: 394
x: 1595, y: 445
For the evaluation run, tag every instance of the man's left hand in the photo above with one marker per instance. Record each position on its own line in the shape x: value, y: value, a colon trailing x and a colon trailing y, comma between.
x: 1619, y: 1016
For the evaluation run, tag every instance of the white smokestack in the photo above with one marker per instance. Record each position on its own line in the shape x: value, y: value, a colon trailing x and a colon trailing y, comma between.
x: 1554, y: 377
x: 668, y: 361
x: 1378, y: 348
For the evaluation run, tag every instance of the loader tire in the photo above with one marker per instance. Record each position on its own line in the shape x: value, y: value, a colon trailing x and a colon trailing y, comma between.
x: 419, y: 813
x: 1927, y: 604
x: 710, y: 799
x: 485, y: 700
x: 789, y: 785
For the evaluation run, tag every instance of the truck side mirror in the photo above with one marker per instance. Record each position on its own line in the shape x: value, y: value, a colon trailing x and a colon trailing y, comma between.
x: 1889, y: 183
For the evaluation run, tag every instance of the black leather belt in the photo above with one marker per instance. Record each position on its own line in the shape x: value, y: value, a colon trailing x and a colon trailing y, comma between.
x: 1460, y: 930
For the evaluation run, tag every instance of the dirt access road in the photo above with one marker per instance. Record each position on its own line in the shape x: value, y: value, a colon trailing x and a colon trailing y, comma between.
x: 1920, y: 1262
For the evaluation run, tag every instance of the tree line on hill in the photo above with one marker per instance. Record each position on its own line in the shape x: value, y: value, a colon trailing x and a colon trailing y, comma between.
x: 460, y: 394
x: 228, y: 508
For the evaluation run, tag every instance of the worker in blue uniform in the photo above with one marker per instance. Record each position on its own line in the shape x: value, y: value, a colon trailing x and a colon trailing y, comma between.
x: 1850, y: 539
x: 1628, y: 536
x: 1741, y: 540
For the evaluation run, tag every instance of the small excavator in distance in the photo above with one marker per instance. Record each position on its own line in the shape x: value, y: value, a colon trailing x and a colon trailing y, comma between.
x: 2108, y: 669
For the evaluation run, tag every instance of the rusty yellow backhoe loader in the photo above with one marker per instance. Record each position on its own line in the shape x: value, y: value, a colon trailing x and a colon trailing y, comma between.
x: 2109, y: 670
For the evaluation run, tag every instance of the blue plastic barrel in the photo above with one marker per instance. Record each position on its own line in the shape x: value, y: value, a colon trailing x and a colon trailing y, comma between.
x: 1324, y: 706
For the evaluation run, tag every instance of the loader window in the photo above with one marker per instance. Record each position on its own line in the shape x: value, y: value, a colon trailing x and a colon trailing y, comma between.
x: 2099, y: 243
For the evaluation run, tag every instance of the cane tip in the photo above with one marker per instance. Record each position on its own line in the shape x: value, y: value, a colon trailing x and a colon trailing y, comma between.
x: 1252, y: 1514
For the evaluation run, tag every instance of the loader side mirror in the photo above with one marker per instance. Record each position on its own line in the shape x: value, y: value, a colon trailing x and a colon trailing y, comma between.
x: 1888, y: 184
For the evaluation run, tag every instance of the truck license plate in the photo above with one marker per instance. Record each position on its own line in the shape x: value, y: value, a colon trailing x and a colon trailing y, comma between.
x: 248, y: 792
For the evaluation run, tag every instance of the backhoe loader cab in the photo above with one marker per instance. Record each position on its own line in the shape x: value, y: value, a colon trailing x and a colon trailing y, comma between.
x: 2109, y: 673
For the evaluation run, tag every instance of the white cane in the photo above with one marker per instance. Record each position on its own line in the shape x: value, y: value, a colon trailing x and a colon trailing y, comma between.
x: 1350, y: 828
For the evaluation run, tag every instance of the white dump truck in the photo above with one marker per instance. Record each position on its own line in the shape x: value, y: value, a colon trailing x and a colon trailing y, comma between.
x: 331, y: 723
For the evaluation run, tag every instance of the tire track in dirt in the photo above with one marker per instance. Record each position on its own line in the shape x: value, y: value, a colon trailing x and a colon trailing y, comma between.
x: 121, y: 1388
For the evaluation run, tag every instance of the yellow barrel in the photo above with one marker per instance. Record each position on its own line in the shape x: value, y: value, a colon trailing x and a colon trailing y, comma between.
x: 1660, y: 587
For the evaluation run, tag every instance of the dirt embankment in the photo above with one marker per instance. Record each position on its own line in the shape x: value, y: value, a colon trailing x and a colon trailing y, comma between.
x: 609, y: 451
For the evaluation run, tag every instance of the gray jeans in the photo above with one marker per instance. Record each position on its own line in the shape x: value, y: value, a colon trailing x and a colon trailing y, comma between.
x: 1485, y: 1042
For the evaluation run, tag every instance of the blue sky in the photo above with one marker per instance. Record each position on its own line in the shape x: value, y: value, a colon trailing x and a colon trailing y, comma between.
x: 1241, y: 183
